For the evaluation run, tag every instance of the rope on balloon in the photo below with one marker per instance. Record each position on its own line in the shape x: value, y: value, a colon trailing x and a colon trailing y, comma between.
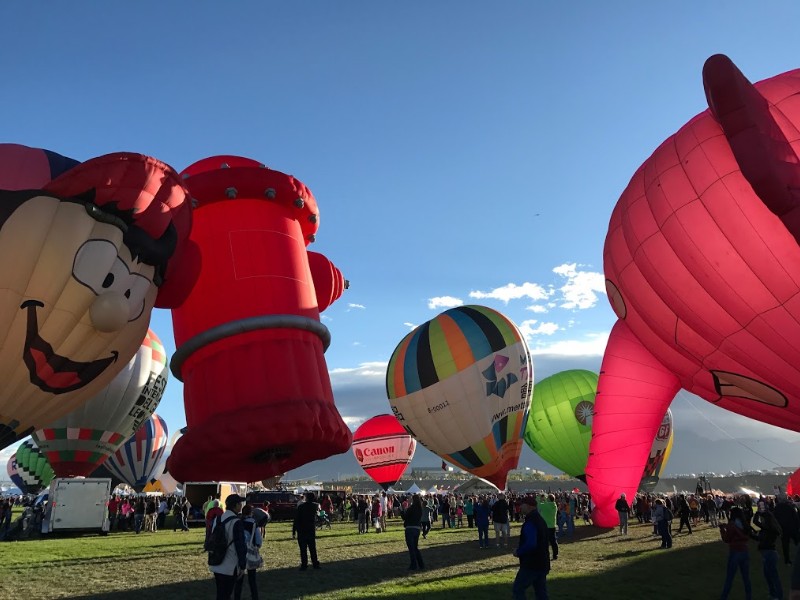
x: 688, y: 397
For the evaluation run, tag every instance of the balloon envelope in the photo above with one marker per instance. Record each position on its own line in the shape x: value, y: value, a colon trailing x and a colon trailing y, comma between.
x: 461, y: 384
x: 384, y: 449
x: 139, y: 457
x: 559, y: 425
x: 13, y: 474
x: 793, y: 484
x: 32, y: 466
x: 76, y: 444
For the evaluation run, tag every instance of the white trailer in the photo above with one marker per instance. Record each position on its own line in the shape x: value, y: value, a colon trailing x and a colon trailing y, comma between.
x: 78, y: 504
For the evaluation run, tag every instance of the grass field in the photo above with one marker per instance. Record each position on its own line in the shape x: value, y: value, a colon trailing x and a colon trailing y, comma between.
x: 166, y: 565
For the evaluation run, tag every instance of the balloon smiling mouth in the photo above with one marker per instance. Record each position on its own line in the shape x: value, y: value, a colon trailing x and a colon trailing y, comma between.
x: 49, y: 371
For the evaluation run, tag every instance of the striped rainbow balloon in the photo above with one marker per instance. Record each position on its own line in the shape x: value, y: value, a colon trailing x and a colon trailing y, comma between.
x: 461, y: 385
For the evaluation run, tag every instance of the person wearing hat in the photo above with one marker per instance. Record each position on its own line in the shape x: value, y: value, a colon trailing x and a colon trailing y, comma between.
x: 533, y: 553
x: 228, y: 575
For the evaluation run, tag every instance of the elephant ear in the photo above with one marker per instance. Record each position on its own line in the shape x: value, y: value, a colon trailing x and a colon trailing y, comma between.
x: 762, y: 151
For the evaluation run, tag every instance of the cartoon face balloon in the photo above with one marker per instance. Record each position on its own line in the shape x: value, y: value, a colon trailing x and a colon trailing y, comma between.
x: 384, y: 449
x: 559, y: 425
x: 89, y: 252
x: 461, y: 384
x: 77, y: 443
x: 703, y: 270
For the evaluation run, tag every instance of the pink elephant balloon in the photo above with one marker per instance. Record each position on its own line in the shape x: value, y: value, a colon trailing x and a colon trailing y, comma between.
x: 702, y: 269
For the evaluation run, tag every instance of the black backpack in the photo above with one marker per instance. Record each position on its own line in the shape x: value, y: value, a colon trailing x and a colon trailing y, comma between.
x: 668, y: 516
x: 217, y: 543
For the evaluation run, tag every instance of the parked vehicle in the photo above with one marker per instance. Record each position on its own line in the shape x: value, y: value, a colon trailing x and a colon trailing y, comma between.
x: 77, y: 504
x: 282, y: 505
x: 198, y: 493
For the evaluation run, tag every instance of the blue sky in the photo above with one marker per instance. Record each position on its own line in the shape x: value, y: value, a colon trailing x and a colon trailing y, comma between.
x: 460, y: 151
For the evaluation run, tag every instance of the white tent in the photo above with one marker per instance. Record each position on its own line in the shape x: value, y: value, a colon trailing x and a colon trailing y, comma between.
x: 476, y: 485
x: 415, y: 489
x: 433, y: 490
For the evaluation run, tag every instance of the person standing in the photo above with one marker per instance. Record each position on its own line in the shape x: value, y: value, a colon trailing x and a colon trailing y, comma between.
x: 113, y: 508
x: 252, y: 540
x: 623, y: 510
x: 469, y: 505
x: 163, y: 509
x: 412, y: 519
x: 500, y: 520
x: 769, y: 532
x: 735, y: 533
x: 384, y: 508
x: 482, y: 512
x: 547, y: 509
x: 427, y: 509
x: 683, y: 511
x: 789, y: 520
x: 304, y: 527
x: 138, y: 514
x: 229, y: 574
x: 662, y: 522
x: 534, y: 559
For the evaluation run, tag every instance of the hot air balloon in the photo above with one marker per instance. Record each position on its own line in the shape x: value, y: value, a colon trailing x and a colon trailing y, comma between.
x: 559, y: 425
x: 461, y: 384
x: 90, y: 249
x: 659, y: 454
x: 13, y: 474
x: 77, y: 443
x: 139, y: 457
x: 702, y: 269
x: 384, y: 449
x: 249, y: 338
x: 32, y: 467
x: 793, y: 483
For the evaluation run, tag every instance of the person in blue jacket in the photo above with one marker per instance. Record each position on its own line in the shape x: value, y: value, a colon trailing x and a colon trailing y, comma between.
x: 481, y: 511
x: 533, y: 553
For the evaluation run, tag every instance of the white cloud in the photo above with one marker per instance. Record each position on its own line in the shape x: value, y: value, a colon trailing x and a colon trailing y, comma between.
x: 325, y: 318
x: 357, y: 344
x: 528, y: 330
x: 369, y: 371
x: 512, y: 291
x: 582, y: 287
x: 353, y: 305
x: 537, y: 308
x: 411, y: 326
x: 353, y: 422
x: 594, y: 344
x: 444, y: 302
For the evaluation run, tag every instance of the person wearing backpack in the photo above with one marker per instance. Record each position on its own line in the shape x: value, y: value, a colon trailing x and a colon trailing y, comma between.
x: 660, y: 518
x: 253, y: 539
x: 227, y: 550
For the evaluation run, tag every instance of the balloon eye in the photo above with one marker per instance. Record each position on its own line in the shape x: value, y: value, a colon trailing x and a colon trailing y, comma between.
x: 108, y: 281
x: 127, y: 293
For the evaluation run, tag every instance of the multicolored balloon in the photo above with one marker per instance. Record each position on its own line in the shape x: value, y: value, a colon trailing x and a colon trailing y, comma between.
x: 140, y: 456
x: 702, y: 269
x: 461, y: 385
x: 13, y: 475
x: 91, y: 244
x: 249, y: 338
x: 32, y: 467
x: 384, y: 449
x: 76, y: 444
x: 559, y: 425
x: 659, y: 454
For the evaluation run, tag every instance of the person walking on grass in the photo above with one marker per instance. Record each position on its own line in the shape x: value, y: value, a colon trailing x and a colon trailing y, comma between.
x: 547, y: 508
x: 500, y: 520
x: 769, y: 532
x: 229, y: 574
x: 304, y: 527
x: 412, y: 521
x: 534, y: 558
x: 482, y: 511
x: 736, y: 533
x: 662, y: 521
x: 623, y: 510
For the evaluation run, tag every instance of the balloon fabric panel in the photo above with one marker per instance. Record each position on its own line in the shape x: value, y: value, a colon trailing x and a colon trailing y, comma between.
x: 383, y: 449
x: 138, y: 458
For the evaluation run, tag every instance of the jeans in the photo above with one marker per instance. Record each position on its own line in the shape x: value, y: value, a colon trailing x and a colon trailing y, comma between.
x: 137, y: 522
x: 737, y: 560
x: 501, y: 532
x: 769, y: 562
x: 623, y: 522
x: 529, y: 577
x: 483, y: 535
x: 663, y: 530
x: 227, y: 585
x: 553, y: 539
x: 426, y: 527
x: 251, y: 582
x: 412, y: 541
x: 469, y: 521
x: 307, y: 545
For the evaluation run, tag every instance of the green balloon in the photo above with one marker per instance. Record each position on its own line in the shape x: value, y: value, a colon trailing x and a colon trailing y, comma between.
x: 559, y: 426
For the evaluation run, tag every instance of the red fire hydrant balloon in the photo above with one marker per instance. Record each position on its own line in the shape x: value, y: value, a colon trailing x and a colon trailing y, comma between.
x: 702, y: 268
x: 249, y: 339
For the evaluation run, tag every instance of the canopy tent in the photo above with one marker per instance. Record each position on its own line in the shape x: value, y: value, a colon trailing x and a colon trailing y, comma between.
x: 415, y: 489
x: 476, y: 485
x: 433, y: 490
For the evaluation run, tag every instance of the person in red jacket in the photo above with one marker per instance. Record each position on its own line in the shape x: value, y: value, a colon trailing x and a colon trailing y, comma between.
x: 736, y: 533
x: 213, y: 512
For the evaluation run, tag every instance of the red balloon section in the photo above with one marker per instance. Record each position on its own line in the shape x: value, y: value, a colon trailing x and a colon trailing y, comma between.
x: 703, y: 270
x: 384, y: 449
x: 793, y: 484
x: 249, y: 339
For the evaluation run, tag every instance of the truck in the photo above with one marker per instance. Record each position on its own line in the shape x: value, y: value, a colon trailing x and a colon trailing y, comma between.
x: 77, y: 504
x: 198, y: 493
